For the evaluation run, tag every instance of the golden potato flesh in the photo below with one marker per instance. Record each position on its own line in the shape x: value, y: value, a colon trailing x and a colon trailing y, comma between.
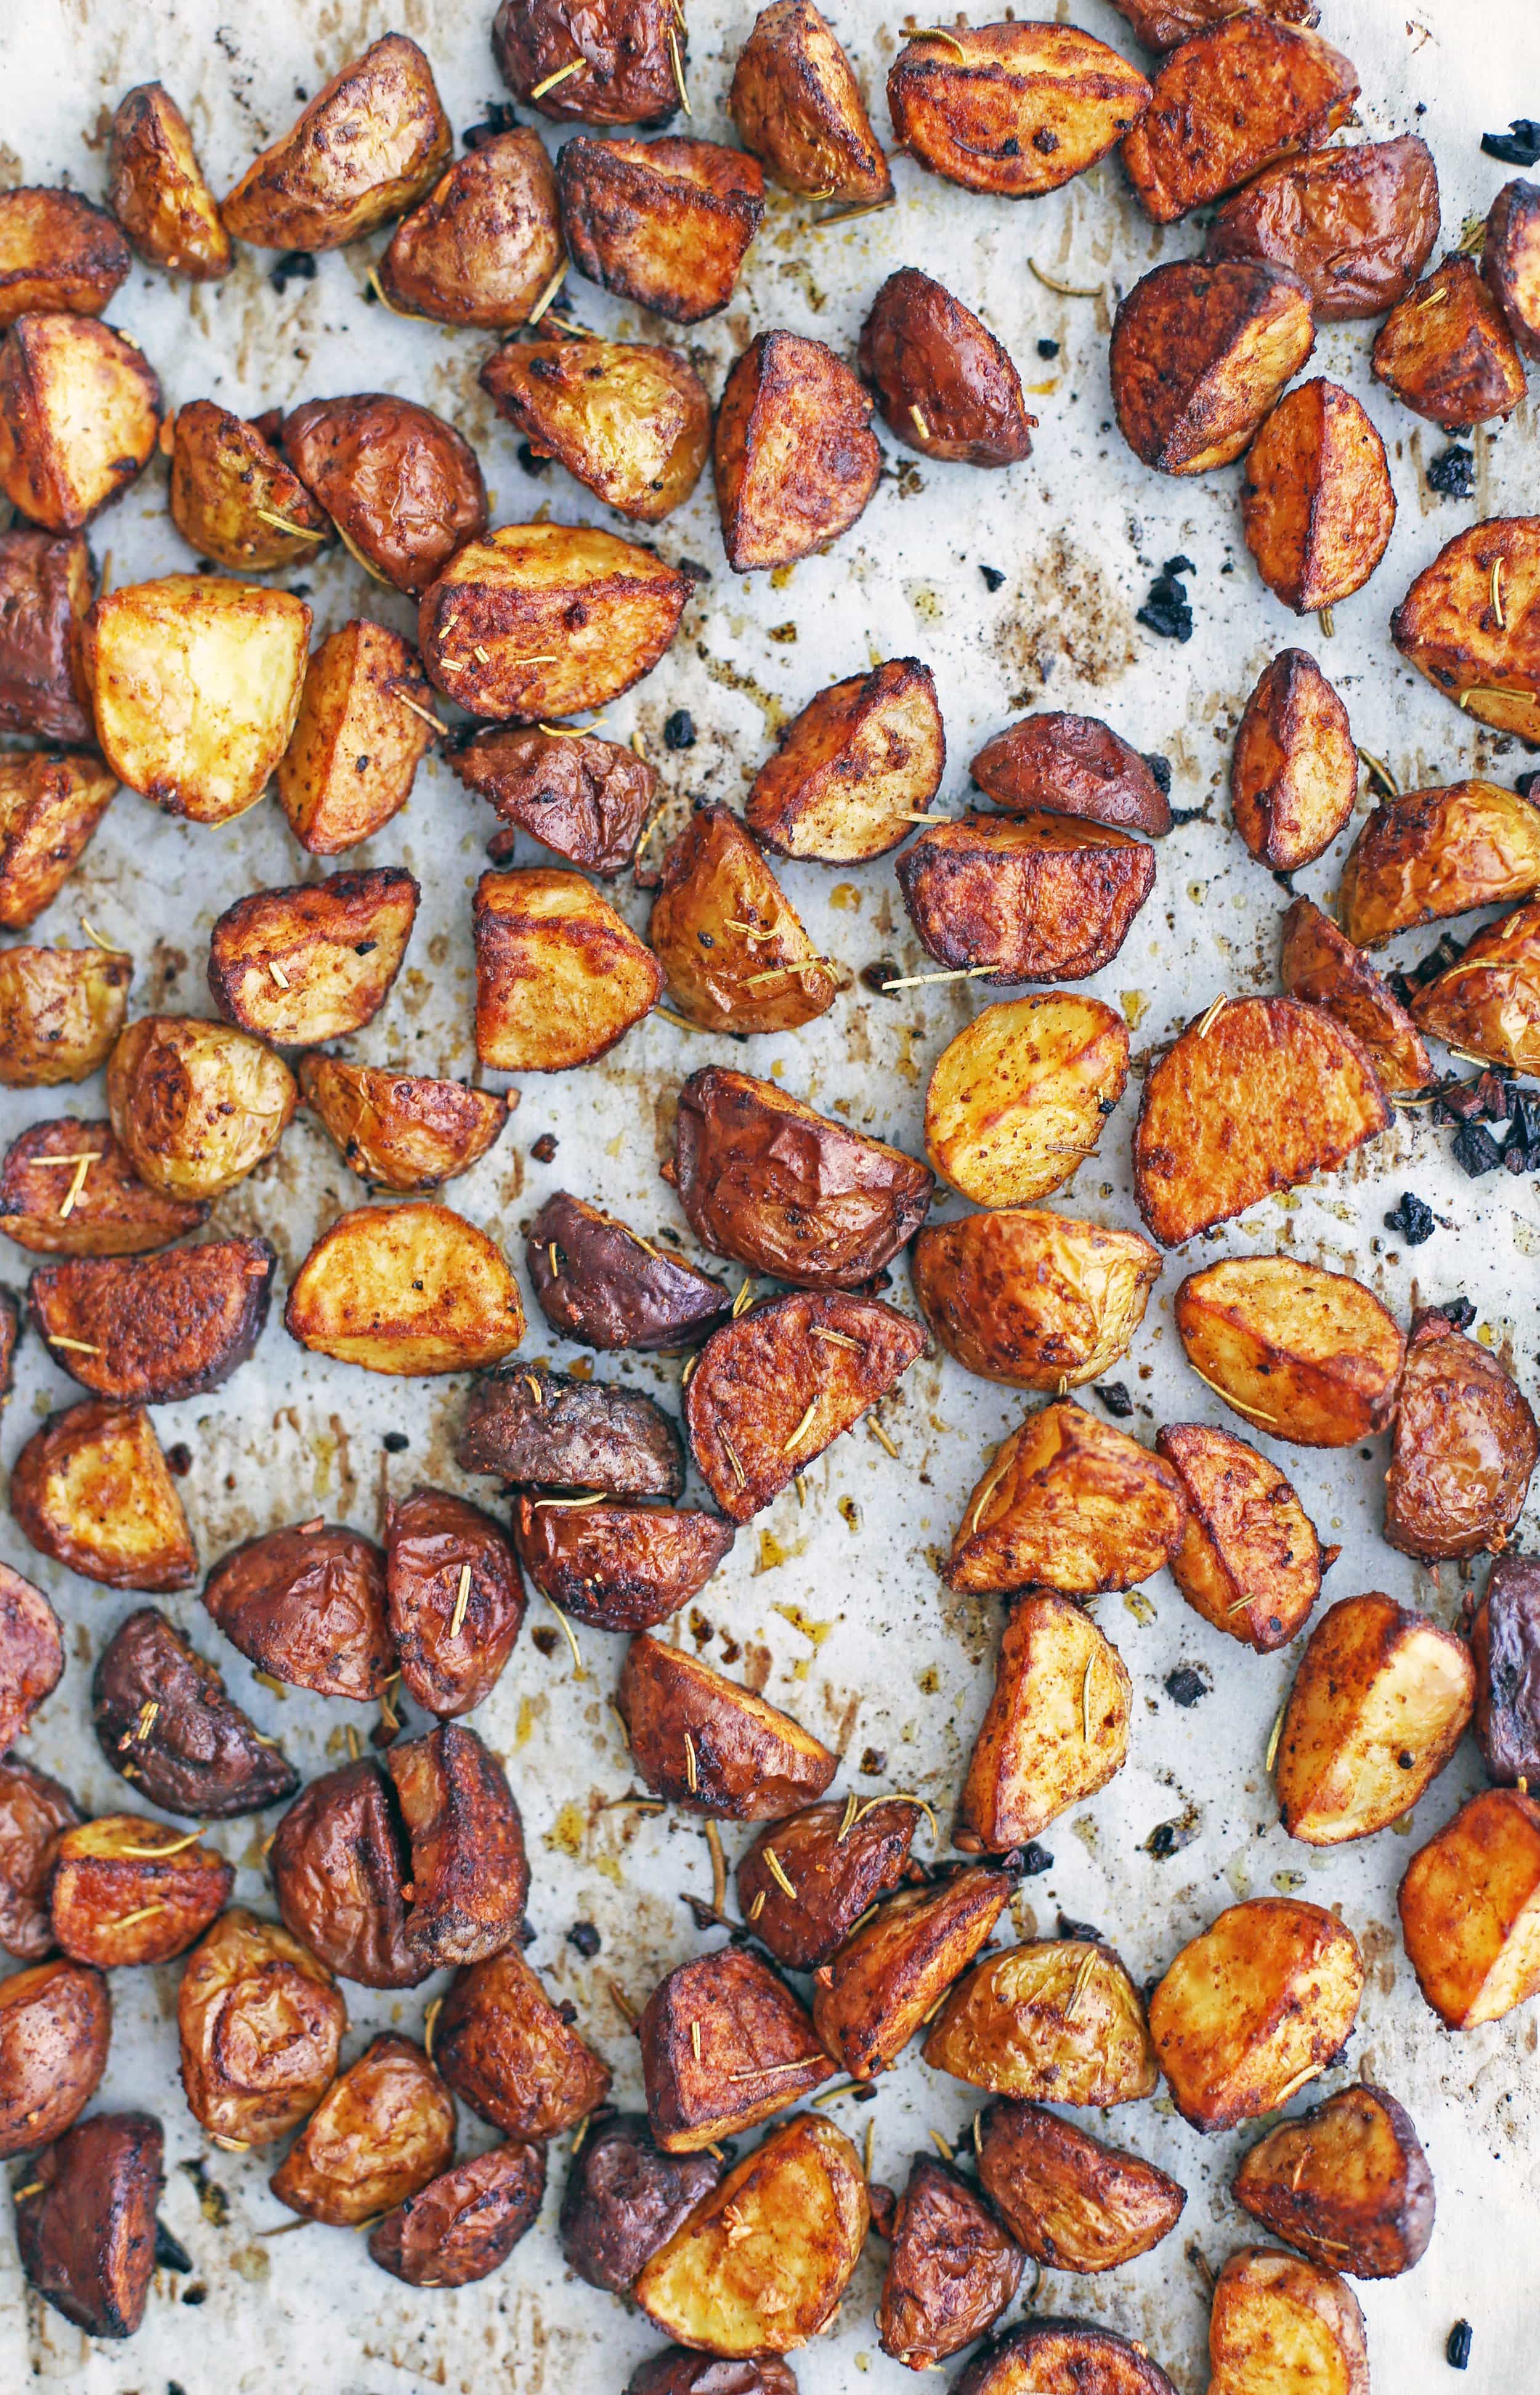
x: 49, y: 806
x: 79, y: 418
x: 1430, y: 854
x: 850, y: 769
x: 1058, y: 2021
x: 890, y: 1975
x: 1356, y: 225
x: 1259, y: 2002
x: 1054, y: 1730
x: 60, y: 1011
x: 1033, y: 1298
x: 93, y: 1489
x: 795, y: 458
x: 1067, y: 1502
x: 1018, y: 1099
x: 1449, y: 625
x: 114, y: 1212
x: 371, y: 143
x: 1279, y: 2325
x: 944, y: 384
x: 728, y: 937
x: 398, y: 1130
x: 1308, y: 1355
x: 484, y: 244
x: 1348, y: 2184
x: 1040, y: 897
x: 761, y: 2264
x: 1378, y: 1705
x: 631, y: 423
x: 1200, y: 352
x: 405, y: 1289
x: 619, y: 57
x: 59, y: 255
x: 196, y: 1105
x: 1470, y: 1904
x: 1294, y: 770
x: 1510, y: 261
x: 1488, y: 1004
x: 314, y: 961
x: 1316, y: 501
x: 1229, y: 102
x: 356, y: 745
x: 196, y: 682
x: 1074, y: 2204
x: 1248, y: 1560
x: 46, y: 587
x: 1447, y: 352
x: 665, y: 223
x: 560, y: 976
x: 1321, y: 965
x: 798, y: 107
x: 1466, y: 1444
x: 232, y: 494
x: 1012, y: 110
x: 547, y: 620
x: 157, y: 189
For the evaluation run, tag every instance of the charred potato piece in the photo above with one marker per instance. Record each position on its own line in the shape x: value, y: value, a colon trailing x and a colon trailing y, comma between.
x: 665, y: 223
x: 1063, y: 2357
x: 618, y: 1566
x: 1033, y: 1298
x: 1074, y: 2204
x: 834, y: 1878
x: 307, y: 1605
x: 259, y: 2023
x: 55, y: 2024
x: 464, y: 2224
x: 86, y: 2224
x: 528, y: 1423
x: 1279, y: 2323
x: 795, y: 458
x: 120, y: 1892
x: 1200, y: 352
x: 732, y: 946
x: 158, y: 191
x: 1042, y: 898
x: 1260, y: 2002
x: 1446, y: 350
x: 1321, y: 965
x: 1504, y: 1646
x: 371, y: 143
x: 232, y: 494
x: 511, y: 2055
x: 1378, y: 1705
x: 1484, y: 656
x: 314, y: 961
x: 59, y: 255
x: 724, y: 2045
x: 33, y: 1809
x: 797, y: 105
x: 585, y: 798
x: 49, y: 807
x: 113, y: 1214
x: 1054, y: 1730
x: 760, y: 2266
x: 1021, y: 1096
x: 356, y: 744
x: 398, y: 1131
x: 852, y: 767
x: 560, y: 976
x: 1488, y: 1005
x: 402, y: 486
x: 484, y: 244
x: 1249, y: 1561
x: 618, y: 56
x: 1058, y: 2021
x: 1012, y: 110
x: 46, y: 587
x: 163, y: 1718
x: 705, y: 1743
x: 1357, y: 226
x: 1465, y: 1446
x: 152, y: 1330
x: 597, y: 1281
x: 469, y: 1875
x: 1470, y: 1904
x: 92, y: 1489
x: 380, y: 2132
x: 631, y: 423
x: 777, y: 1386
x: 1229, y: 102
x: 1316, y: 500
x: 951, y: 2268
x: 1349, y: 2179
x: 624, y: 2198
x: 568, y: 619
x: 1071, y: 765
x: 195, y: 1107
x: 945, y: 386
x: 60, y: 1012
x: 338, y: 1870
x: 1510, y: 261
x: 1068, y: 1502
x: 32, y: 1653
x: 1308, y: 1355
x: 450, y: 1654
x: 79, y: 418
x: 405, y: 1289
x: 887, y: 1978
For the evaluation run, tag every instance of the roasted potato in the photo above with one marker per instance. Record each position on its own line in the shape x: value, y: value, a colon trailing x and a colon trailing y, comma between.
x: 469, y: 1876
x: 439, y: 1551
x: 1378, y: 1705
x: 1469, y: 1903
x: 338, y: 1868
x: 797, y: 105
x: 307, y: 1605
x: 705, y: 1743
x: 152, y: 1330
x: 120, y: 1891
x: 314, y: 961
x: 560, y: 976
x: 465, y: 2223
x: 1248, y: 1560
x: 110, y: 1213
x: 49, y: 807
x: 1357, y: 226
x: 628, y: 67
x: 944, y: 384
x: 196, y: 682
x: 195, y: 1107
x: 1504, y: 1647
x: 1464, y: 1448
x: 163, y: 1720
x: 356, y: 743
x: 259, y: 2023
x: 1257, y: 2003
x: 1054, y: 1730
x: 397, y: 1130
x: 380, y: 2132
x: 402, y: 486
x: 568, y: 619
x: 951, y: 2268
x: 1068, y: 1502
x: 1012, y: 110
x: 585, y: 798
x: 1510, y: 261
x: 760, y: 2266
x: 887, y: 1978
x: 1071, y: 765
x: 1033, y: 1298
x: 484, y: 244
x: 1469, y: 621
x: 372, y: 142
x: 631, y: 423
x: 795, y: 458
x: 618, y: 1566
x: 1488, y: 1005
x: 1229, y: 102
x: 1446, y: 350
x: 665, y: 223
x: 771, y: 1390
x: 60, y: 1012
x: 1316, y: 501
x: 33, y: 1809
x: 1058, y: 2021
x: 79, y: 418
x: 1348, y: 2178
x: 157, y: 189
x: 731, y: 947
x: 1308, y: 1355
x: 724, y: 2045
x: 1277, y: 2324
x: 46, y: 587
x: 834, y: 1874
x: 32, y: 1653
x: 232, y: 496
x: 852, y: 767
x: 1200, y: 354
x: 1021, y: 1096
x: 1044, y: 898
x: 598, y: 1281
x: 55, y: 2023
x: 1074, y: 2204
x: 1067, y: 2357
x: 624, y: 2198
x: 92, y: 1489
x: 85, y: 2222
x: 1321, y: 965
x: 1161, y: 24
x: 526, y: 1423
x: 511, y: 2054
x: 405, y: 1289
x: 59, y: 255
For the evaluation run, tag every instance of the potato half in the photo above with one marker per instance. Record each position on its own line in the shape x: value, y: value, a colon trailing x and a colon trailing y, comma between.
x: 232, y: 496
x: 79, y: 418
x: 247, y: 1975
x: 1356, y: 225
x: 405, y: 1289
x: 560, y: 976
x: 724, y: 2045
x: 31, y: 1652
x: 59, y: 255
x: 314, y: 961
x: 1229, y: 102
x: 1035, y: 1299
x: 1432, y: 854
x: 624, y: 72
x: 1447, y: 352
x: 1378, y: 1705
x: 483, y: 245
x: 401, y: 484
x: 358, y: 739
x: 1510, y: 261
x: 1021, y: 1096
x: 1012, y: 110
x: 1067, y: 1502
x: 1504, y: 1646
x: 1465, y: 1446
x: 93, y: 1489
x: 1199, y: 355
x: 370, y: 144
x: 952, y: 2268
x: 618, y: 1566
x: 1319, y: 964
x: 945, y: 386
x: 158, y: 191
x: 1310, y: 1354
x: 45, y: 588
x: 835, y: 1875
x: 1470, y: 1904
x: 86, y: 2221
x: 1058, y: 2021
x: 1256, y: 2004
x: 55, y: 2023
x: 196, y: 1105
x: 1488, y: 1004
x: 399, y: 1131
x: 154, y: 1329
x: 794, y: 457
x: 1161, y: 24
x: 49, y: 807
x: 631, y: 423
x: 1279, y: 2323
x: 380, y: 2134
x: 114, y: 1212
x: 1348, y: 2184
x: 1249, y: 1561
x: 889, y: 1976
x: 665, y: 223
x: 1449, y: 625
x: 728, y: 938
x: 597, y: 1281
x: 121, y: 1892
x: 60, y: 1012
x: 705, y: 1743
x: 1063, y: 2357
x: 1054, y: 1730
x: 848, y: 772
x: 1316, y: 500
x: 1042, y: 897
x: 1293, y: 770
x: 1071, y: 765
x: 1073, y: 2202
x: 797, y: 105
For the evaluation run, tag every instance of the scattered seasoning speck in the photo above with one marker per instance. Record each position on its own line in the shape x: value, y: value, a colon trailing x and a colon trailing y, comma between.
x: 295, y: 266
x: 1185, y: 1686
x: 679, y: 731
x: 873, y: 1762
x: 876, y: 977
x: 395, y: 1442
x: 1452, y: 472
x: 1475, y: 1150
x: 993, y: 578
x: 1162, y: 1841
x: 1457, y: 2350
x: 1412, y: 1219
x: 584, y: 1939
x: 1115, y: 1397
x: 544, y: 1148
x: 1519, y: 146
x: 1048, y: 348
x: 1167, y: 612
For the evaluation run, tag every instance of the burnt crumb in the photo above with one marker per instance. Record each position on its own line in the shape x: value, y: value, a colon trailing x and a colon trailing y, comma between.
x: 584, y: 1939
x: 1161, y: 768
x: 1519, y: 1155
x: 1526, y: 1116
x: 1167, y: 612
x: 1079, y: 1930
x: 1188, y: 815
x: 1437, y: 960
x: 993, y: 578
x: 1519, y: 146
x: 528, y: 1932
x: 1458, y: 2349
x: 875, y: 977
x: 170, y: 2253
x: 1115, y: 1397
x: 545, y: 1638
x: 1035, y: 1860
x: 1452, y: 472
x: 1011, y: 147
x: 1185, y: 1686
x: 395, y: 1442
x: 179, y: 1459
x: 499, y: 118
x: 544, y: 1148
x: 1475, y: 1150
x: 197, y: 2294
x: 531, y: 460
x: 300, y: 589
x: 1457, y: 1312
x: 874, y: 1762
x: 295, y: 266
x: 1046, y: 140
x: 693, y: 570
x: 1412, y: 1219
x: 679, y: 731
x: 1048, y: 348
x: 567, y: 2011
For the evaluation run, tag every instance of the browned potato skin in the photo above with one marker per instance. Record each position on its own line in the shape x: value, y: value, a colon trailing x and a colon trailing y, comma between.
x: 1466, y: 1444
x: 509, y: 2053
x: 951, y: 2269
x: 33, y: 1809
x: 679, y: 2371
x: 92, y: 1490
x: 585, y: 798
x: 1040, y: 897
x: 1250, y: 1561
x: 115, y: 1214
x: 560, y: 976
x: 86, y: 2235
x: 55, y: 2023
x: 945, y: 386
x: 1380, y: 1700
x: 624, y: 2198
x: 1161, y: 24
x: 1259, y: 2002
x: 1504, y: 1646
x: 163, y: 1719
x: 484, y: 244
x: 1057, y: 2021
x: 665, y: 223
x: 121, y: 1865
x: 431, y: 1540
x: 308, y: 1606
x: 372, y: 142
x: 1447, y: 352
x: 1200, y: 352
x: 628, y: 77
x: 32, y: 1653
x: 153, y: 1329
x: 79, y: 418
x: 1067, y: 1502
x: 49, y: 807
x: 259, y: 2023
x: 528, y: 1423
x: 157, y: 189
x: 399, y: 1131
x: 338, y: 942
x: 402, y: 486
x: 795, y: 458
x: 1033, y: 1298
x: 406, y: 1290
x: 61, y: 1013
x: 196, y: 1106
x: 1349, y: 2180
x: 380, y: 2132
x: 849, y: 770
x: 797, y: 105
x: 59, y: 255
x: 713, y: 882
x: 1275, y: 2318
x: 1488, y: 1005
x: 1308, y: 1355
x: 632, y: 423
x: 1316, y: 501
x: 353, y: 713
x: 1229, y: 102
x: 1510, y: 261
x: 835, y: 1878
x: 337, y: 1873
x: 708, y: 2031
x: 227, y: 482
x: 1430, y: 854
x: 1470, y: 1905
x: 618, y: 1566
x: 10, y: 1332
x: 1054, y: 1730
x: 888, y: 1977
x: 46, y: 587
x: 1357, y: 225
x: 1012, y: 110
x: 705, y: 1743
x: 1293, y: 770
x: 469, y: 1875
x: 1073, y: 2202
x: 1321, y: 965
x: 597, y: 1281
x: 1071, y: 765
x: 464, y: 2224
x: 1063, y: 2357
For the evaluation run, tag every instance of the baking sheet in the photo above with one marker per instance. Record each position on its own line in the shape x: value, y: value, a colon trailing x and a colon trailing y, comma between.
x: 854, y: 1632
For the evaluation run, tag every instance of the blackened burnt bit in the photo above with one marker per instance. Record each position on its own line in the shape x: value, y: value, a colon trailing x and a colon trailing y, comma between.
x: 1452, y: 473
x: 993, y: 578
x: 1412, y: 1219
x: 1115, y: 1397
x: 679, y: 731
x: 1475, y: 1150
x: 1185, y: 1686
x: 295, y: 266
x: 1160, y: 767
x: 1168, y: 611
x: 1519, y: 146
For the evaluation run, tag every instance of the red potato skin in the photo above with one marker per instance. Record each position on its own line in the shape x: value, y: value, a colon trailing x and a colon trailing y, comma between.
x: 32, y: 1653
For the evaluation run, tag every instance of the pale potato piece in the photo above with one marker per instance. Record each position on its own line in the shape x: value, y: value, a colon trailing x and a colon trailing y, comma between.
x: 1308, y: 1355
x: 1378, y: 1705
x: 196, y: 1105
x: 57, y: 254
x: 1487, y: 659
x: 631, y: 423
x: 1281, y: 2325
x: 1229, y: 102
x: 1249, y: 1561
x: 1488, y: 1005
x: 1293, y: 770
x: 196, y: 682
x: 889, y: 1975
x: 1316, y: 500
x: 399, y: 1131
x: 1019, y: 1098
x: 1321, y: 965
x: 1033, y: 1298
x: 560, y: 976
x: 158, y: 190
x: 1430, y: 854
x: 798, y: 107
x: 405, y: 1289
x: 1069, y: 1502
x: 372, y: 142
x: 313, y: 962
x: 1012, y: 110
x: 1200, y: 352
x: 60, y: 1011
x: 860, y: 758
x: 92, y: 1489
x: 79, y: 418
x: 232, y: 494
x: 728, y: 938
x: 1058, y: 2021
x: 49, y: 806
x: 484, y: 246
x: 356, y: 745
x: 1470, y: 1904
x: 1054, y: 1730
x: 1256, y: 2004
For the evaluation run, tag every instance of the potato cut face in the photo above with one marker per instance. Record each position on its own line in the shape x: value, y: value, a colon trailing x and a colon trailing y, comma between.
x: 59, y: 255
x: 944, y: 384
x: 1357, y: 226
x: 196, y: 1754
x: 1316, y: 499
x: 952, y: 2268
x: 314, y: 961
x: 259, y: 2023
x: 1200, y: 352
x: 794, y: 456
x: 157, y: 189
x: 1279, y: 2323
x: 631, y: 79
x: 1071, y: 765
x: 583, y: 797
x: 307, y: 1605
x: 597, y: 1281
x: 401, y: 1130
x: 1466, y: 1444
x: 833, y: 1878
x: 1229, y: 101
x: 1054, y: 1731
x: 49, y: 807
x: 1067, y: 1502
x: 724, y: 2045
x: 371, y: 143
x: 528, y: 1423
x: 402, y: 486
x: 86, y: 2232
x: 1447, y: 627
x: 380, y: 2132
x: 115, y: 1212
x: 31, y: 1652
x: 762, y: 2262
x: 1073, y: 2202
x: 1294, y: 770
x: 1058, y: 2021
x: 1378, y: 1706
x: 1062, y: 2358
x: 1259, y: 1097
x: 55, y: 2024
x: 505, y: 2048
x: 232, y: 494
x: 405, y: 1289
x: 1248, y: 1560
x: 450, y: 1655
x: 704, y: 1743
x: 860, y: 758
x: 560, y: 976
x: 1030, y: 1297
x: 196, y: 1106
x: 353, y: 714
x: 1311, y: 1356
x: 46, y: 587
x: 1255, y: 2007
x: 729, y: 940
x: 1019, y: 1098
x: 618, y: 1566
x: 665, y: 223
x: 92, y: 1489
x: 878, y: 1990
x: 1469, y: 1906
x: 122, y: 1892
x: 1348, y: 2180
x: 1013, y: 110
x: 1488, y: 1003
x: 1447, y: 352
x: 1319, y: 965
x: 632, y: 424
x: 484, y: 244
x: 1510, y: 261
x: 1044, y: 898
x: 797, y: 105
x: 152, y: 1330
x: 1504, y: 1646
x: 60, y: 1012
x: 79, y: 418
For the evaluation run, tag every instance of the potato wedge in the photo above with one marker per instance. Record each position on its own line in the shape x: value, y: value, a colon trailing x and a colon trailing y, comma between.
x: 232, y: 496
x: 372, y: 142
x: 483, y: 245
x: 1357, y: 226
x: 402, y: 486
x: 1321, y: 965
x: 794, y: 457
x: 60, y: 1012
x: 560, y: 976
x: 1058, y: 2021
x: 122, y: 1892
x: 1432, y: 854
x: 1229, y: 102
x: 665, y: 223
x: 585, y: 798
x: 259, y: 2023
x: 49, y: 807
x: 796, y: 104
x: 887, y: 1978
x: 618, y: 1566
x: 945, y: 386
x: 835, y: 1875
x: 1378, y: 1705
x: 631, y: 423
x: 1199, y: 355
x: 1033, y: 1298
x: 1349, y: 2180
x: 724, y: 2045
x: 450, y: 1654
x: 314, y: 961
x: 1161, y: 24
x: 596, y: 1280
x: 32, y: 1653
x: 568, y: 617
x: 623, y: 2200
x: 1505, y: 1648
x: 1446, y: 350
x: 469, y: 1875
x: 163, y: 1719
x: 1488, y: 1005
x: 465, y: 2223
x: 1068, y: 1502
x: 153, y: 1329
x: 1021, y: 1097
x: 1073, y: 2202
x: 514, y: 2055
x: 1316, y: 501
x: 1249, y: 1561
x: 1293, y: 770
x: 338, y: 1864
x: 1510, y: 261
x: 46, y: 587
x: 526, y: 1422
x: 196, y: 1106
x: 113, y: 1212
x: 307, y: 1605
x: 1484, y: 655
x: 1054, y: 1730
x: 55, y: 2023
x: 1465, y: 1446
x: 623, y: 72
x: 92, y: 1489
x: 702, y: 1742
x: 86, y: 2221
x: 1279, y: 2323
x: 1071, y: 765
x: 732, y: 946
x: 852, y: 768
x: 952, y: 2268
x: 1069, y: 2357
x: 356, y: 743
x: 79, y: 418
x: 1043, y: 897
x: 405, y: 1289
x: 378, y: 2134
x: 158, y: 191
x: 761, y: 2264
x: 33, y: 1809
x: 1308, y: 1355
x: 1470, y: 1904
x: 398, y: 1131
x: 1012, y: 110
x: 59, y: 255
x: 1254, y: 2006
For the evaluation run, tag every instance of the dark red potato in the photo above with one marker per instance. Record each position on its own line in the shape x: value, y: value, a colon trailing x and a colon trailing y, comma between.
x: 454, y: 1599
x: 32, y: 1653
x: 86, y: 2227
